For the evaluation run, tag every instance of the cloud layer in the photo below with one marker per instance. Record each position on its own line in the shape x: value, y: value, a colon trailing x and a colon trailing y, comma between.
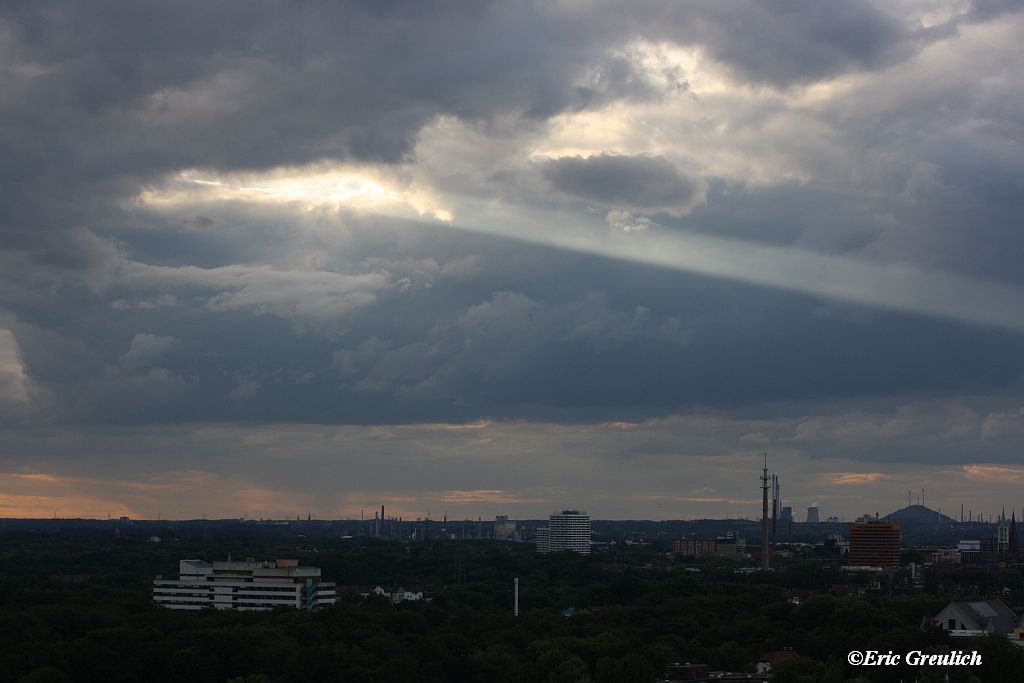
x: 394, y: 216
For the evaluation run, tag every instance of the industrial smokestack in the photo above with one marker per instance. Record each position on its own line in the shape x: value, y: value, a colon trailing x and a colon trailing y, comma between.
x: 515, y: 608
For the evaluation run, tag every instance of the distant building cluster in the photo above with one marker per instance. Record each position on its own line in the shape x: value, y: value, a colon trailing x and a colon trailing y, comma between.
x: 836, y: 544
x: 566, y: 530
x: 722, y: 546
x: 506, y: 529
x: 1002, y: 546
x: 248, y: 585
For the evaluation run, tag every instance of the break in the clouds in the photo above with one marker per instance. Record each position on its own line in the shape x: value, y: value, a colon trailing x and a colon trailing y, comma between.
x: 473, y: 242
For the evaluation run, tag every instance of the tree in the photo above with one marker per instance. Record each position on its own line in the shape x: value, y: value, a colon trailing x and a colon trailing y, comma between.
x: 1001, y: 660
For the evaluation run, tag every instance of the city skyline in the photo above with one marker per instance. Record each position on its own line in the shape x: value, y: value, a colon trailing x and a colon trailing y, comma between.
x: 266, y: 259
x: 528, y: 511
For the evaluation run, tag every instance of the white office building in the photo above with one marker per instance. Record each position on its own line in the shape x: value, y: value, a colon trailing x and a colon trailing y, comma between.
x: 567, y: 530
x: 248, y: 585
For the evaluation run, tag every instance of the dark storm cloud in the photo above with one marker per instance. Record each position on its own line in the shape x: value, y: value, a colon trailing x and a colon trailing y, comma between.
x: 796, y: 41
x: 98, y: 99
x: 257, y: 84
x: 642, y: 183
x: 171, y: 343
x: 461, y: 328
x: 127, y: 317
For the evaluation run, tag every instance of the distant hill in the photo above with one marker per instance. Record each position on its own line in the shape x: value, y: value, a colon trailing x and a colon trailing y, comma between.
x: 918, y: 516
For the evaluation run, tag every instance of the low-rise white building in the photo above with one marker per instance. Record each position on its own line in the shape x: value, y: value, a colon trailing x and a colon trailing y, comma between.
x: 398, y: 594
x: 966, y: 619
x: 248, y: 585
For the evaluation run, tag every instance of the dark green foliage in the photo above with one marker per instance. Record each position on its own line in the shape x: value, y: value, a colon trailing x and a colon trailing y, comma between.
x: 78, y: 608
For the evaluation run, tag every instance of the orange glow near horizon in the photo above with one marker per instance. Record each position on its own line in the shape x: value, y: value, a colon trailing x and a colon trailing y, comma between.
x: 193, y: 494
x: 994, y: 473
x: 43, y: 495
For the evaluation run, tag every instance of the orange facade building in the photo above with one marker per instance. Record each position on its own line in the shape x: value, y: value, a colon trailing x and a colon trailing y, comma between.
x: 874, y: 543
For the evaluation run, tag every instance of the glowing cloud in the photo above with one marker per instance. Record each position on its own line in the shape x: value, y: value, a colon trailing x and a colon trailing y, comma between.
x: 893, y: 286
x: 994, y: 473
x: 487, y: 496
x: 854, y: 478
x: 304, y: 187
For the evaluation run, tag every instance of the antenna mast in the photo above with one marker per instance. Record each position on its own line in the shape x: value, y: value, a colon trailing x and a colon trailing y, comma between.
x: 764, y: 515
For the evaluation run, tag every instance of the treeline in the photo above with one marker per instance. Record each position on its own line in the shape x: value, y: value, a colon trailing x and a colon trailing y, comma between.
x: 74, y: 611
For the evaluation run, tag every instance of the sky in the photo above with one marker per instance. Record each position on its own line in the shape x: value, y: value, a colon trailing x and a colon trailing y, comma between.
x: 276, y: 258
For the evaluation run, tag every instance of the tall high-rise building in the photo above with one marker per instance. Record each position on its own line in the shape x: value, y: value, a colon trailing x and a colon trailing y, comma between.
x: 567, y: 530
x: 812, y: 514
x: 874, y: 543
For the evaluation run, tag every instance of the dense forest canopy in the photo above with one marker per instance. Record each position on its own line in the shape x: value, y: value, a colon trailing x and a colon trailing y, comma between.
x: 77, y: 607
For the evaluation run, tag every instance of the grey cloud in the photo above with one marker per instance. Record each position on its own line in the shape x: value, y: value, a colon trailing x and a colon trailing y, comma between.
x: 950, y: 190
x: 135, y: 323
x: 623, y: 469
x: 985, y: 10
x: 12, y: 392
x: 96, y: 103
x: 122, y: 93
x: 640, y: 183
x: 523, y: 334
x: 312, y: 296
x: 405, y: 323
x: 1003, y: 425
x: 795, y: 41
x: 790, y: 42
x: 145, y: 348
x: 158, y: 301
